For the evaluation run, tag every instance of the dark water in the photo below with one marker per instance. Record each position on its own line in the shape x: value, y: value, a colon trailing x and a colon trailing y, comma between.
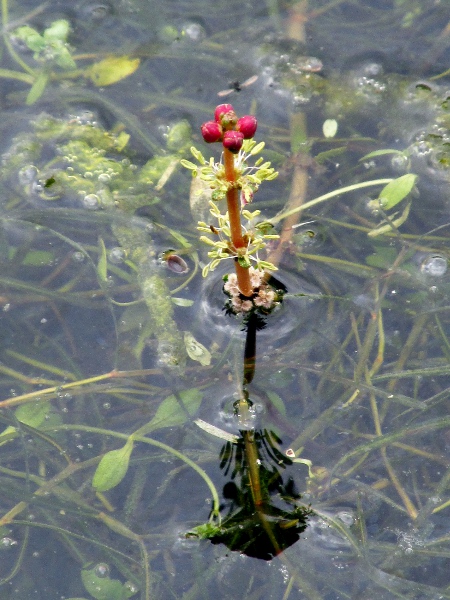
x: 103, y: 337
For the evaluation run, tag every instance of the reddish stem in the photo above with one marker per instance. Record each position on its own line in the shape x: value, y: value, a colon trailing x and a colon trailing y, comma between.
x: 234, y: 214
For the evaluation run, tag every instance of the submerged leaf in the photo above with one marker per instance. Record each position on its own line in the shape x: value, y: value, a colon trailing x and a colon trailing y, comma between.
x: 38, y: 87
x: 395, y: 191
x: 33, y: 415
x: 174, y: 410
x: 104, y: 588
x: 58, y: 30
x: 393, y: 224
x: 195, y: 350
x: 112, y: 69
x: 102, y: 266
x: 112, y: 468
x: 376, y: 153
x: 216, y: 431
x: 182, y: 301
x: 329, y: 128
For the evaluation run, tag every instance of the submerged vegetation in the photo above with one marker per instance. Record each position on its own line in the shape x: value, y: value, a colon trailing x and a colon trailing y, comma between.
x: 163, y: 431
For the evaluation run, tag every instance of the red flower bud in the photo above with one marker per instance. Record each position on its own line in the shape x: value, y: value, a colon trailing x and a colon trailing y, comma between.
x: 225, y: 115
x: 222, y: 109
x: 232, y: 140
x: 211, y: 132
x: 247, y: 125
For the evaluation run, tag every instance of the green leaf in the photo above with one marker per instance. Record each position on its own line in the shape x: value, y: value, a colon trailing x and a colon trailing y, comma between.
x: 58, y: 30
x: 182, y: 302
x: 195, y: 350
x: 102, y: 265
x: 323, y: 157
x: 38, y: 87
x: 244, y: 261
x: 394, y: 224
x: 30, y: 37
x: 198, y: 155
x: 277, y: 402
x: 104, y: 588
x: 380, y: 153
x: 112, y: 69
x: 170, y: 412
x: 187, y: 164
x: 122, y: 140
x: 179, y: 136
x: 329, y: 128
x: 38, y: 258
x: 112, y: 468
x: 63, y: 58
x: 32, y: 414
x: 383, y: 257
x: 395, y: 191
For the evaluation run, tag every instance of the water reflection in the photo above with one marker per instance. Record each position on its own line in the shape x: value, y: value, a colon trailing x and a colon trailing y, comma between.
x: 264, y: 515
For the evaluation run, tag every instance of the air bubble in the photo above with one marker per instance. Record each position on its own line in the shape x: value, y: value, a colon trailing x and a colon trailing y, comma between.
x: 91, y: 202
x: 117, y: 255
x: 7, y: 542
x: 399, y: 163
x: 194, y: 31
x: 346, y: 517
x: 102, y: 570
x: 28, y: 174
x: 104, y: 178
x: 435, y: 265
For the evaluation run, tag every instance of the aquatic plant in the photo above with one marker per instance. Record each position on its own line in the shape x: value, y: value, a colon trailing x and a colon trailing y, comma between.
x: 360, y: 386
x: 53, y: 58
x: 236, y: 181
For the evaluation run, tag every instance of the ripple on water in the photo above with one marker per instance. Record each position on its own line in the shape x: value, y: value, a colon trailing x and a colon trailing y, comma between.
x: 294, y: 312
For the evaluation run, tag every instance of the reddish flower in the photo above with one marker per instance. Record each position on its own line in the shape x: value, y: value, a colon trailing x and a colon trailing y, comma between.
x: 222, y: 109
x: 225, y: 115
x: 247, y: 125
x: 232, y: 140
x: 211, y: 132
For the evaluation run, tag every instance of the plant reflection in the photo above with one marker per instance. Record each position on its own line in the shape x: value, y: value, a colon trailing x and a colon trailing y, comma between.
x: 263, y: 513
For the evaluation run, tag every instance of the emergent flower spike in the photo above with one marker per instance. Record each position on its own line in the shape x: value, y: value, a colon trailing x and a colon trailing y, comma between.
x: 236, y: 181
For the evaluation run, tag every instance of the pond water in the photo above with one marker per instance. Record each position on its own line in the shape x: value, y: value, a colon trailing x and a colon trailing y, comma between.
x: 303, y: 455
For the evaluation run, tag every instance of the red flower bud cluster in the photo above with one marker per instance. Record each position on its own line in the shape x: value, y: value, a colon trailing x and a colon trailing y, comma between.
x: 228, y: 129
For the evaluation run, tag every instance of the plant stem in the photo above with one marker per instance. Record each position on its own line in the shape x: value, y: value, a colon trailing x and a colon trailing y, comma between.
x: 234, y: 214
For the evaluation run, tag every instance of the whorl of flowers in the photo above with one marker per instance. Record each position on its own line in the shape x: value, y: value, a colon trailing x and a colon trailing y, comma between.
x: 263, y: 302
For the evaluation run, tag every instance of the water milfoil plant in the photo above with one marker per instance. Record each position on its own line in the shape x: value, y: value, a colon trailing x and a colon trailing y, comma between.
x: 235, y: 180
